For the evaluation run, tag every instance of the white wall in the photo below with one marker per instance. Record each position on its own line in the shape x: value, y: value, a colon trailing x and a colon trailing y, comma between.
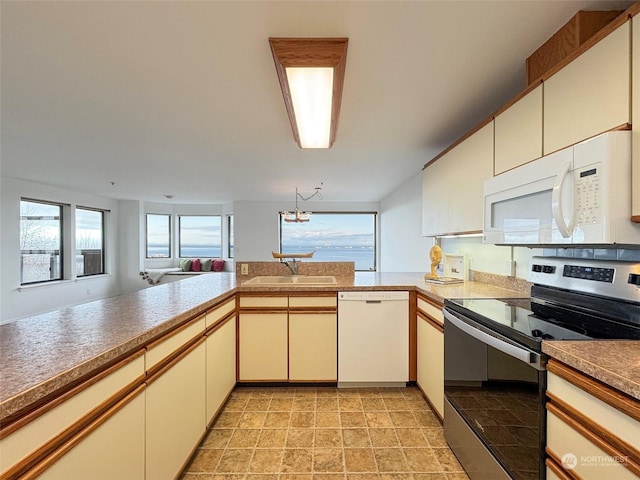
x: 402, y: 246
x: 17, y: 301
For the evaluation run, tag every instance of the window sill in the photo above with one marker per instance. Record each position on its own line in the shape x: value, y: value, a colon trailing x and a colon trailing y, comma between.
x: 35, y: 286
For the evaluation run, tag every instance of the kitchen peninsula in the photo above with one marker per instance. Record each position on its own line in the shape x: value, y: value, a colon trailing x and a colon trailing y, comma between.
x: 48, y: 356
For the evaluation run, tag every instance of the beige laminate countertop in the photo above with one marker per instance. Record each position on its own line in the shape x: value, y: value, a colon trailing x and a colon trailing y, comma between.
x: 614, y: 362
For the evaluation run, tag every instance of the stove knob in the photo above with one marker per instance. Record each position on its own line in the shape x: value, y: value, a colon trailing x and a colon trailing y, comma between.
x: 546, y: 336
x: 536, y: 333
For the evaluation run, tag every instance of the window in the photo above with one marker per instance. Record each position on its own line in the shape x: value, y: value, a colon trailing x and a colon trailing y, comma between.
x: 158, y: 236
x: 335, y: 237
x: 40, y: 242
x: 200, y: 236
x: 89, y: 242
x: 230, y: 236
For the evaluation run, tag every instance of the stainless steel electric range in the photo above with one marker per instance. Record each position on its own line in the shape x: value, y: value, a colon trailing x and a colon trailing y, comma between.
x: 495, y: 370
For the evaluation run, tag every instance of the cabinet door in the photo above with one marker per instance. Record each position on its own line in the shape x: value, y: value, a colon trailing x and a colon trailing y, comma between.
x: 175, y: 413
x: 635, y: 121
x: 469, y: 166
x: 518, y: 132
x: 590, y: 95
x: 434, y: 198
x: 221, y: 366
x: 431, y: 363
x: 114, y: 450
x: 313, y: 346
x: 263, y: 346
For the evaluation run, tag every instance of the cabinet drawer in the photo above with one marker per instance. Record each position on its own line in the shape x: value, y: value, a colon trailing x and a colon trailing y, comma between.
x: 167, y: 345
x: 326, y: 301
x: 46, y: 426
x: 430, y: 309
x: 581, y: 455
x: 264, y: 301
x: 608, y: 417
x: 221, y: 311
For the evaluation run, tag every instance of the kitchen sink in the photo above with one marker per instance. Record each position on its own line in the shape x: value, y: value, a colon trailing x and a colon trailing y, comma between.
x: 292, y: 280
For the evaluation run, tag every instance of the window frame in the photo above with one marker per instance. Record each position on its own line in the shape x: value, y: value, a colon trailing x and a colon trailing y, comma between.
x: 230, y: 239
x: 103, y: 248
x: 179, y: 234
x: 374, y: 214
x: 61, y: 241
x: 170, y: 236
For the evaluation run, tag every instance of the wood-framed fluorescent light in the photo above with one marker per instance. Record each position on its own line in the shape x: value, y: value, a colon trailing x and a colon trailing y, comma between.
x: 311, y: 76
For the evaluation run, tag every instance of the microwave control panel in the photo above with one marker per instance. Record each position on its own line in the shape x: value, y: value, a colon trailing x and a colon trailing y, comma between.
x: 588, y: 196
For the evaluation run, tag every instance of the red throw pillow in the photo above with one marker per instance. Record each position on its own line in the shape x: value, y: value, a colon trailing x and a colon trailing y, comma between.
x: 218, y: 265
x: 195, y: 265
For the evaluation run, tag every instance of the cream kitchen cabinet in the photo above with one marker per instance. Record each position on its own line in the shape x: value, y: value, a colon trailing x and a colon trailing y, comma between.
x: 592, y: 429
x: 106, y: 408
x: 452, y: 186
x: 635, y: 121
x: 591, y: 94
x: 518, y: 132
x: 430, y: 352
x: 263, y: 338
x: 288, y: 337
x: 313, y: 338
x: 221, y: 356
x: 175, y: 399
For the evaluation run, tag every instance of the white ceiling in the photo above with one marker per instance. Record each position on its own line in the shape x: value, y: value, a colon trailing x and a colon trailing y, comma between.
x: 182, y: 98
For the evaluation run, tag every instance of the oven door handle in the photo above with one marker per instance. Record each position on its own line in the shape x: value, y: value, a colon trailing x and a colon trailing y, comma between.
x: 527, y: 356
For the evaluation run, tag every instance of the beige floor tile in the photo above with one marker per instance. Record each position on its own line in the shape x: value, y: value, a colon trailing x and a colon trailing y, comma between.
x: 435, y: 437
x: 262, y: 476
x: 360, y: 460
x: 303, y: 419
x: 327, y: 419
x: 326, y: 404
x: 383, y: 438
x: 328, y: 460
x: 266, y: 461
x: 217, y: 438
x: 430, y: 476
x: 300, y: 438
x: 350, y: 404
x: 304, y: 404
x: 251, y: 419
x: 272, y: 438
x: 373, y: 404
x: 277, y: 419
x: 422, y: 460
x: 362, y: 476
x: 403, y: 419
x: 258, y: 404
x: 395, y: 403
x: 244, y: 438
x: 356, y: 437
x: 281, y: 404
x: 411, y: 437
x: 296, y: 476
x: 378, y: 419
x: 204, y: 460
x: 309, y: 392
x: 234, y: 461
x: 390, y: 460
x: 297, y: 460
x: 448, y: 460
x: 225, y: 476
x: 328, y: 438
x: 426, y: 418
x: 353, y: 419
x: 396, y: 476
x: 227, y: 419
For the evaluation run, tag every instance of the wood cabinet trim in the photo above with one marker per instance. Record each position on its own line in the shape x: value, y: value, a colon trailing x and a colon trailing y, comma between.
x: 597, y: 389
x: 167, y: 363
x: 553, y: 462
x: 220, y: 323
x: 166, y: 335
x: 263, y: 310
x: 47, y: 454
x: 24, y: 417
x: 300, y: 310
x: 431, y: 321
x: 598, y: 430
x: 631, y: 462
x: 434, y: 303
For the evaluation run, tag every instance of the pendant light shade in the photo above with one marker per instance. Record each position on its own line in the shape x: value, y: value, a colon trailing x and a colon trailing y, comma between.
x: 311, y: 75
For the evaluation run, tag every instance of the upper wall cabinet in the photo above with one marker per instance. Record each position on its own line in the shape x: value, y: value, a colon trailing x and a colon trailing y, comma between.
x: 518, y: 132
x: 452, y: 186
x: 635, y: 109
x: 591, y: 94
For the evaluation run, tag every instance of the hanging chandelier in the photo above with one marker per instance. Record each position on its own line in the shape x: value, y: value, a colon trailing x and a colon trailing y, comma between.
x: 298, y: 216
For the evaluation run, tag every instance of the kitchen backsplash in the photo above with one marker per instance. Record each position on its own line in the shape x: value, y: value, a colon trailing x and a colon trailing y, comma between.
x: 338, y: 269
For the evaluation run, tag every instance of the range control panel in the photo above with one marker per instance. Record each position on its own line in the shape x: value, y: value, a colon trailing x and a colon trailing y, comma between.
x: 601, y: 277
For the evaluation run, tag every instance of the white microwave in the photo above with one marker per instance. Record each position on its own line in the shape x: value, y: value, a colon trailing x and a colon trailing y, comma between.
x: 580, y: 195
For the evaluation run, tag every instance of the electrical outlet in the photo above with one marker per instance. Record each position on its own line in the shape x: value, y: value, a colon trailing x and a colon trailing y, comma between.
x: 244, y: 269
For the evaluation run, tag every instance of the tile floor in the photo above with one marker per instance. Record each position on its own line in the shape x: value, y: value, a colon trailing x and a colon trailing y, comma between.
x: 324, y: 434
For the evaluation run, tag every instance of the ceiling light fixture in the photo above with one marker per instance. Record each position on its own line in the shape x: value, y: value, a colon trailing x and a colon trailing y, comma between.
x: 311, y: 75
x: 298, y: 216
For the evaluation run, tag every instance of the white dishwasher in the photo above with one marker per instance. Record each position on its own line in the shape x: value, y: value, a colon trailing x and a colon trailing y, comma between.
x: 373, y: 339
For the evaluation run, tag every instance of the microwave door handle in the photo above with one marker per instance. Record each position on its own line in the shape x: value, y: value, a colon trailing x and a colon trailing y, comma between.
x: 556, y: 202
x: 514, y: 351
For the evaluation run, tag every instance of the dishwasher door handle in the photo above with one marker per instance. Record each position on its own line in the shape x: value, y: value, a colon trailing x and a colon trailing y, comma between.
x: 373, y: 301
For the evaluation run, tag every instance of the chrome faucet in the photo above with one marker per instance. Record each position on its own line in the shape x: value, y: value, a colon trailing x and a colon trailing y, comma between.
x: 293, y: 266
